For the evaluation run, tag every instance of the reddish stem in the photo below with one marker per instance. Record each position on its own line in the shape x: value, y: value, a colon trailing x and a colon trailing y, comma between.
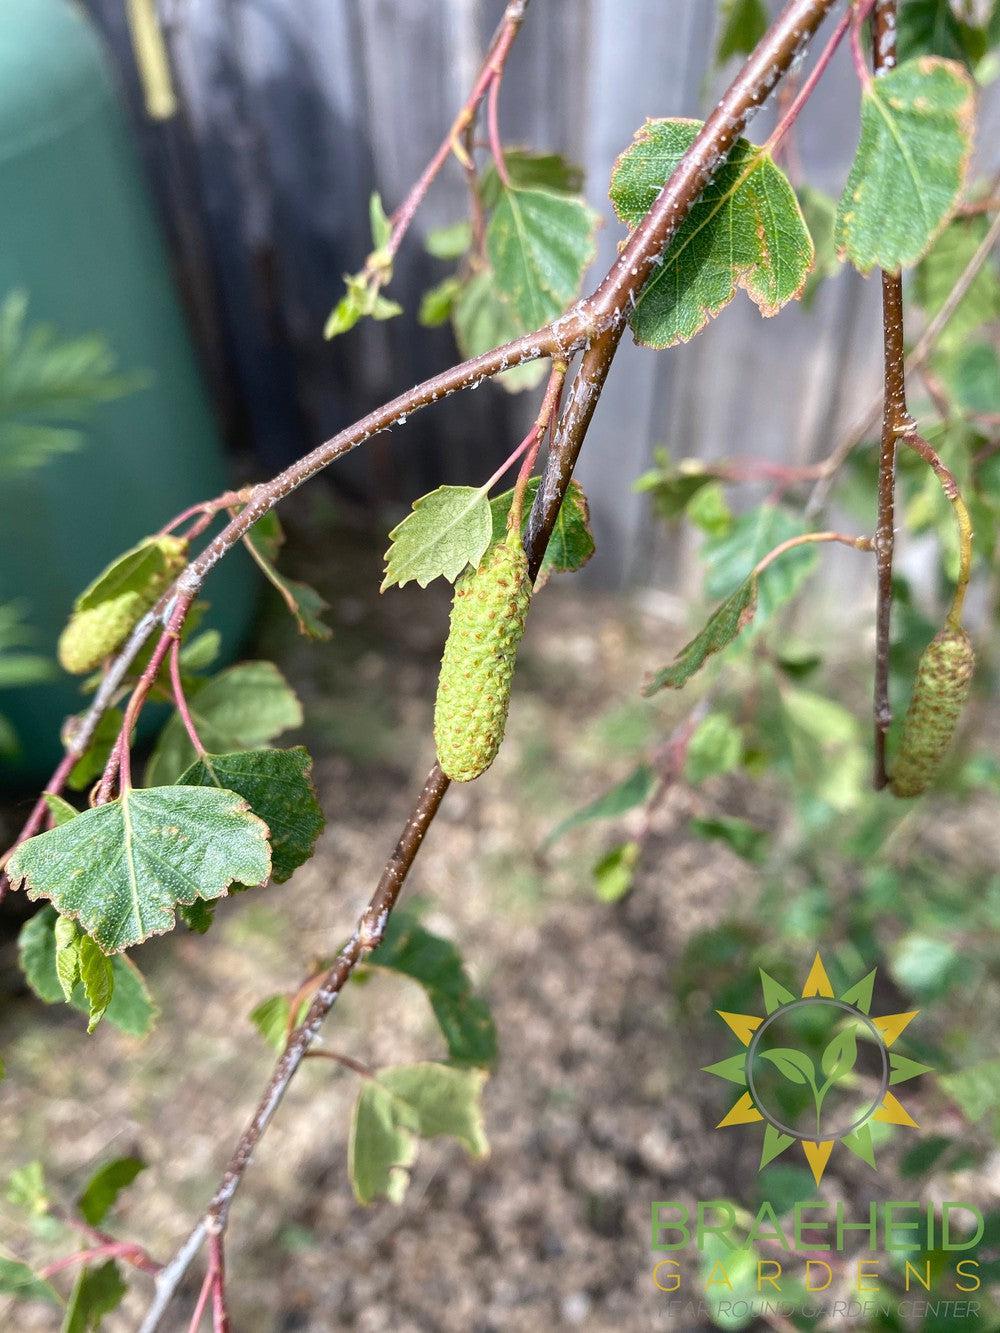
x: 550, y: 404
x: 119, y: 762
x: 111, y: 1249
x: 217, y: 1268
x: 209, y: 507
x: 202, y: 1302
x: 816, y: 73
x: 179, y: 698
x: 548, y: 413
x: 857, y: 16
x: 493, y: 128
x: 355, y: 1066
x: 489, y: 73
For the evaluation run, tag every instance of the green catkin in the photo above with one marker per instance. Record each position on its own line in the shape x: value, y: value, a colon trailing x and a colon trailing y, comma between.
x: 94, y: 633
x: 944, y: 677
x: 473, y: 695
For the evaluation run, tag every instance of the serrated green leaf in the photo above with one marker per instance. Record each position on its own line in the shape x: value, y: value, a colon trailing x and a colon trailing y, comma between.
x: 448, y: 530
x: 101, y: 1192
x: 940, y: 270
x: 746, y: 230
x: 670, y: 485
x: 438, y: 302
x: 614, y: 872
x: 122, y: 868
x: 744, y: 838
x: 305, y: 604
x: 743, y: 24
x: 98, y: 978
x: 527, y: 169
x: 363, y: 297
x: 976, y: 1089
x: 464, y: 1018
x: 344, y: 315
x: 380, y: 224
x: 89, y: 767
x: 49, y: 386
x: 144, y: 566
x: 484, y: 319
x: 571, y: 544
x: 540, y: 244
x: 201, y: 651
x: 241, y: 708
x: 725, y: 623
x: 96, y: 1293
x: 18, y: 1280
x: 131, y: 1010
x: 633, y: 791
x: 60, y: 810
x: 932, y: 28
x: 972, y: 377
x: 67, y: 936
x: 278, y: 786
x: 450, y: 242
x: 708, y: 510
x: 910, y: 166
x: 271, y: 1018
x: 400, y: 1105
x: 820, y: 213
x: 26, y: 1189
x: 715, y: 747
x: 822, y: 753
x: 730, y: 558
x: 198, y: 916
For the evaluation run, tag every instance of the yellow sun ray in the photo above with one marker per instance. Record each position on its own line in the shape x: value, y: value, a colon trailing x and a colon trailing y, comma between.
x: 743, y: 1113
x: 817, y: 1155
x: 891, y: 1025
x: 744, y: 1025
x: 817, y: 982
x: 893, y: 1112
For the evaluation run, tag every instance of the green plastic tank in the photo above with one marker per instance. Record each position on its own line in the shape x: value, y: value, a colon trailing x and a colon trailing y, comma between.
x: 78, y: 234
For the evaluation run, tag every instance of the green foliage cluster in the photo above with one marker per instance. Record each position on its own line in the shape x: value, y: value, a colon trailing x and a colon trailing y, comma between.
x: 237, y: 811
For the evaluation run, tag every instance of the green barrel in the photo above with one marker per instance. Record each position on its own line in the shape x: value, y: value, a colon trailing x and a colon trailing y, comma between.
x: 78, y: 235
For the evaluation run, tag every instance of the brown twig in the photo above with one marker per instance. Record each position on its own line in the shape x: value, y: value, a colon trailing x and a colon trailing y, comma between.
x: 532, y: 441
x: 809, y: 538
x: 217, y: 1273
x: 596, y: 325
x: 180, y: 699
x: 895, y: 422
x: 109, y: 1248
x: 606, y: 309
x: 487, y: 80
x: 790, y: 115
x: 918, y: 356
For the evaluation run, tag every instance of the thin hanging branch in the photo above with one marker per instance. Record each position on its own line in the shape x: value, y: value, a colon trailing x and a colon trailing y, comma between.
x: 487, y: 82
x: 606, y: 309
x: 895, y: 422
x: 916, y: 359
x: 597, y: 325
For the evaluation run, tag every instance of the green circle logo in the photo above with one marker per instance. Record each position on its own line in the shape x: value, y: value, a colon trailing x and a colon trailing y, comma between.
x: 817, y: 1069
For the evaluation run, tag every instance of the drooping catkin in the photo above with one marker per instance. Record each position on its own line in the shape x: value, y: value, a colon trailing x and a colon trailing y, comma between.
x: 94, y: 632
x: 944, y: 677
x: 473, y: 695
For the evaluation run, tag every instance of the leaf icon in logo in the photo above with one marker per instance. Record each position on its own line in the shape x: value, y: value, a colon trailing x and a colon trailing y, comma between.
x: 841, y: 1054
x: 796, y: 1066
